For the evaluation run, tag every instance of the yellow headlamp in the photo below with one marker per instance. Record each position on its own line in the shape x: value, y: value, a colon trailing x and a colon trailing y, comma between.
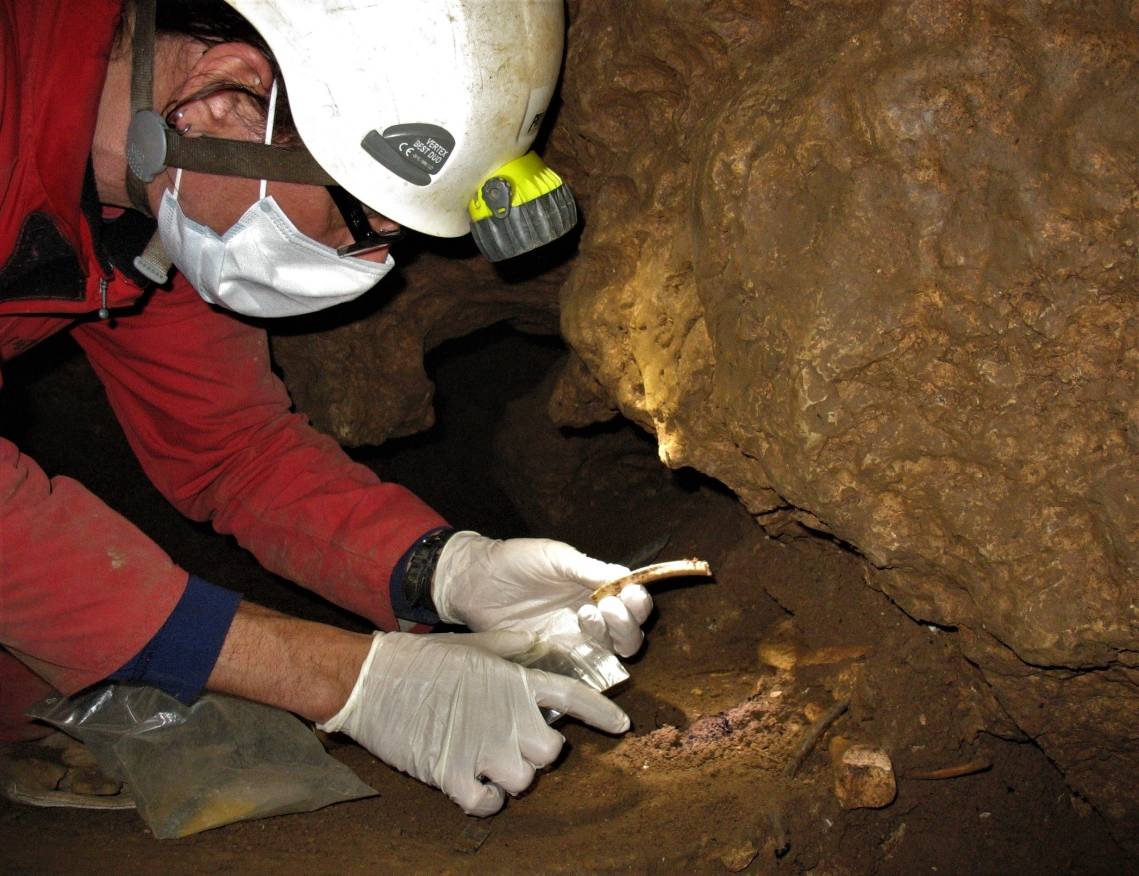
x: 520, y: 207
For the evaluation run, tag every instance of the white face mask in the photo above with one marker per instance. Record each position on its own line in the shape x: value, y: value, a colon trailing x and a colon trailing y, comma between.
x: 262, y: 266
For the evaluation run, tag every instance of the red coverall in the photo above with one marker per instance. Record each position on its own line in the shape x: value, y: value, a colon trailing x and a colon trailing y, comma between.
x: 81, y: 589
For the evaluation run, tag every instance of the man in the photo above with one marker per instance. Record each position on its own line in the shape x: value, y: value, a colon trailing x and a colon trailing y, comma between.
x: 85, y: 596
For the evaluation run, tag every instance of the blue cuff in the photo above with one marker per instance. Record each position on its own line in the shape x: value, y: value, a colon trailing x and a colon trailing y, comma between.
x: 410, y: 587
x: 182, y: 654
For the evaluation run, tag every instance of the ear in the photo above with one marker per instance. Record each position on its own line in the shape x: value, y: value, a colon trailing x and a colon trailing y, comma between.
x: 225, y: 113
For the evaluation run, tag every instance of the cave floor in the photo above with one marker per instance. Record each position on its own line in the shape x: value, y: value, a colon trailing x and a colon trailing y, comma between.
x: 734, y: 676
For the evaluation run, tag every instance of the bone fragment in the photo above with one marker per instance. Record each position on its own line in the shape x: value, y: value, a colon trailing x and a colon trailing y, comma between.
x: 651, y: 574
x: 972, y: 767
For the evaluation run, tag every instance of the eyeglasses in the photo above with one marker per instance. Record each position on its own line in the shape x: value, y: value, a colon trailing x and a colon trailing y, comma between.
x: 365, y: 238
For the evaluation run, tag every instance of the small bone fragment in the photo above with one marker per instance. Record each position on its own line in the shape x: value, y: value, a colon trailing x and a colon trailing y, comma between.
x: 650, y: 574
x: 969, y: 768
x: 864, y: 778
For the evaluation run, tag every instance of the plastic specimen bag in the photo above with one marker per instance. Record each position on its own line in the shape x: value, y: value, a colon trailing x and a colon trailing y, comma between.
x: 218, y: 761
x: 562, y: 648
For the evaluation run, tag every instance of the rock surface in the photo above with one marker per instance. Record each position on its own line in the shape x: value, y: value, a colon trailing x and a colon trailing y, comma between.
x: 863, y: 776
x: 872, y: 265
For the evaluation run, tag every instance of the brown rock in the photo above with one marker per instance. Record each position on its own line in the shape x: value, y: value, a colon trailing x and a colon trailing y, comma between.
x: 864, y: 778
x: 739, y: 858
x: 873, y: 266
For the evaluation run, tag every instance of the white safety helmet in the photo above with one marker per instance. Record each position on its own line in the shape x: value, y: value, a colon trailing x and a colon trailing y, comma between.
x: 425, y: 110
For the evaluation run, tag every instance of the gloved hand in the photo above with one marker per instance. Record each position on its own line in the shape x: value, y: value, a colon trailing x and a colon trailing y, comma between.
x: 519, y: 583
x: 448, y: 709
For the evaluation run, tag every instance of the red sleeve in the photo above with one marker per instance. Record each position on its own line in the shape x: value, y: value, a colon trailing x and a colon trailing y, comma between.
x: 211, y: 425
x: 81, y: 589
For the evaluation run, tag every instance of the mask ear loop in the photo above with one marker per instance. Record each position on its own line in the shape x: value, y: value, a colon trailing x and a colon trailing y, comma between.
x: 177, y: 183
x: 270, y: 118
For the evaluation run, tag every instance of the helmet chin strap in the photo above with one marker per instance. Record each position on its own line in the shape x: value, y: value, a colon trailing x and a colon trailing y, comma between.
x: 153, y: 262
x: 142, y: 92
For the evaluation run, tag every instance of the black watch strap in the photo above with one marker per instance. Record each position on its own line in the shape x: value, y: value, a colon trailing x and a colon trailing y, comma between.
x: 413, y: 575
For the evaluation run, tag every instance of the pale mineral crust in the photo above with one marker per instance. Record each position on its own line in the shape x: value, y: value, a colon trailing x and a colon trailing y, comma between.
x: 873, y: 266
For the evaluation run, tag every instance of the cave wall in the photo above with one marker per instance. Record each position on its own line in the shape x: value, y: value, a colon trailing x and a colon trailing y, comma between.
x: 358, y: 370
x: 872, y: 266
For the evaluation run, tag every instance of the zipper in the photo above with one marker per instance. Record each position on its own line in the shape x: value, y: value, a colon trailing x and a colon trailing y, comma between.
x: 104, y: 312
x: 89, y: 206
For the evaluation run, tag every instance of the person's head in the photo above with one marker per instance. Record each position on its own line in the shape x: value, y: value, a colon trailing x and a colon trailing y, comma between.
x: 410, y: 108
x: 214, y: 74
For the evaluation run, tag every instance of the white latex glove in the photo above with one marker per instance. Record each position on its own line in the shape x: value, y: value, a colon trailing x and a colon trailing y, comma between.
x: 449, y: 710
x: 518, y: 584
